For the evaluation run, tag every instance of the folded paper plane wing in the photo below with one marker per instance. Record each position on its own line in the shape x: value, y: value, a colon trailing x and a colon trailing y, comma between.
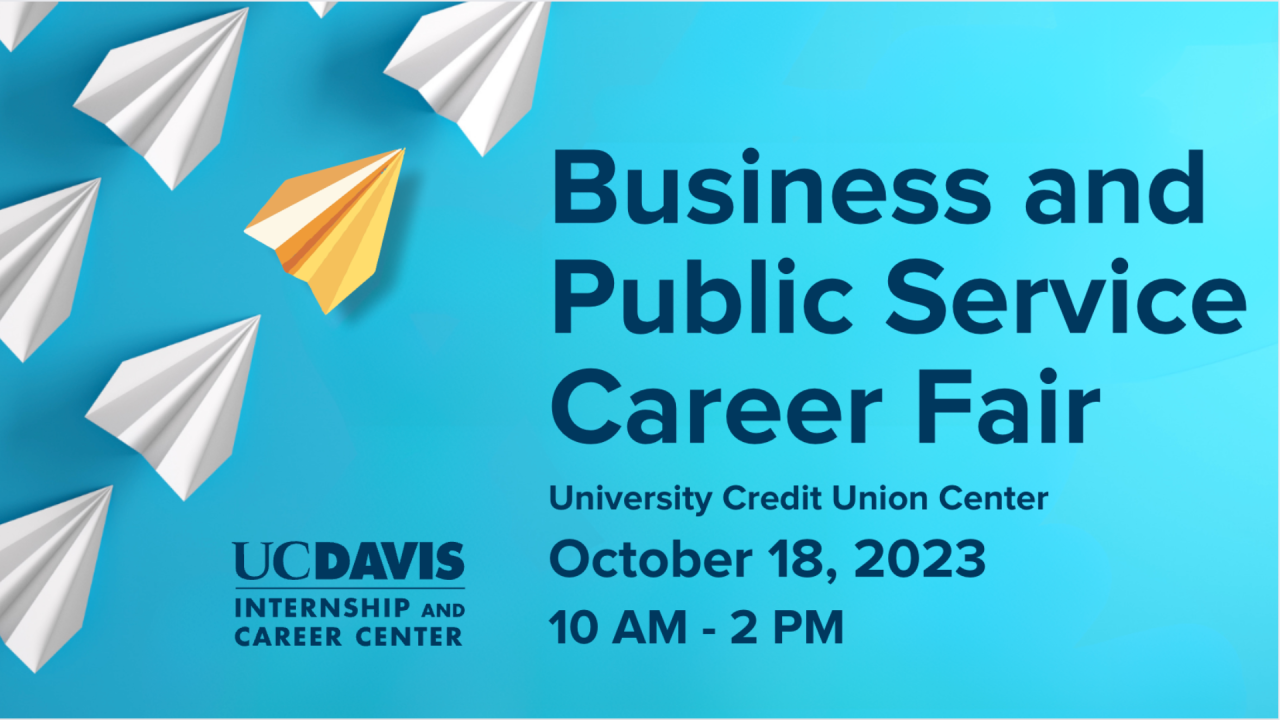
x: 46, y: 567
x: 327, y: 227
x: 476, y: 64
x: 180, y: 406
x: 322, y: 8
x: 166, y: 96
x: 41, y: 246
x: 18, y: 19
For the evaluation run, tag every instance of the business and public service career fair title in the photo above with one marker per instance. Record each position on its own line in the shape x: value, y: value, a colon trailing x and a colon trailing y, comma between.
x: 589, y: 188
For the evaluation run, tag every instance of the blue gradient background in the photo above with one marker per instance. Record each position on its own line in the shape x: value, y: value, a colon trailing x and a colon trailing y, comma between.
x: 419, y: 409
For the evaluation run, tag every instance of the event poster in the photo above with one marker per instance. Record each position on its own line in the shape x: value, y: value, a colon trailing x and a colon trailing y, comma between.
x: 638, y: 360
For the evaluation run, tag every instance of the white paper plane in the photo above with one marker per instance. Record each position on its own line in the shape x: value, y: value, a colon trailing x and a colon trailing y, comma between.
x: 46, y: 568
x: 322, y: 8
x: 18, y: 19
x: 180, y: 406
x: 476, y: 64
x: 166, y: 96
x: 41, y: 245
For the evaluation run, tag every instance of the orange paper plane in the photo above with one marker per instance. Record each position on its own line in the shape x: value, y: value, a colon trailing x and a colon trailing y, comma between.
x: 327, y: 227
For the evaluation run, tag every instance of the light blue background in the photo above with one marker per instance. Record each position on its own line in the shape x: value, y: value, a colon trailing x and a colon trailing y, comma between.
x: 419, y: 410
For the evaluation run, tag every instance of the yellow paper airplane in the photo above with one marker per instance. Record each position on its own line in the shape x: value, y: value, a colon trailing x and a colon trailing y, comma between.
x: 327, y: 227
